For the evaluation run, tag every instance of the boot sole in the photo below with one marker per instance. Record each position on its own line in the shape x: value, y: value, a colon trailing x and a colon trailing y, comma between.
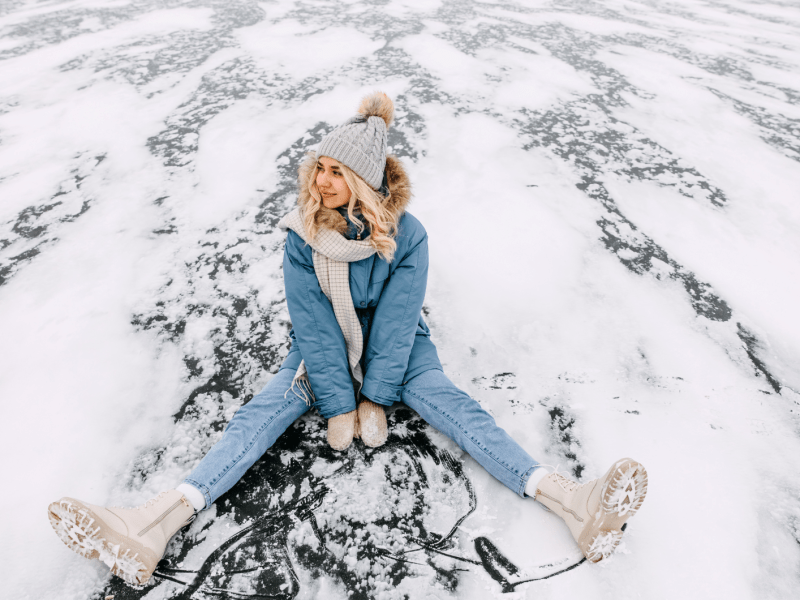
x: 86, y: 534
x: 622, y: 495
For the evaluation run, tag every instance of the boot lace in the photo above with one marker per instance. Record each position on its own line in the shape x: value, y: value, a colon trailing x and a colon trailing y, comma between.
x: 566, y: 484
x: 152, y: 501
x: 147, y: 504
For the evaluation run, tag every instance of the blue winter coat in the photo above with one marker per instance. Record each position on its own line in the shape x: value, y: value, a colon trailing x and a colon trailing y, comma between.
x: 388, y: 299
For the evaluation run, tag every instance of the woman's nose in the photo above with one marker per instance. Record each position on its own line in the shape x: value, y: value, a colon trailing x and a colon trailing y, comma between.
x: 322, y: 180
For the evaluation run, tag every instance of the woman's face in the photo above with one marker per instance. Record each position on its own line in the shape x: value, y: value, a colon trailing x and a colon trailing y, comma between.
x: 331, y: 183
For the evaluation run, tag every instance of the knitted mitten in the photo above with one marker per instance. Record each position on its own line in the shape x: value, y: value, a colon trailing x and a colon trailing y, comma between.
x: 371, y: 427
x: 341, y: 429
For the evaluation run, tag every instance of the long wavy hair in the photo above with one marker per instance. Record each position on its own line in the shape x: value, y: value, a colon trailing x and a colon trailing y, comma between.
x: 372, y: 205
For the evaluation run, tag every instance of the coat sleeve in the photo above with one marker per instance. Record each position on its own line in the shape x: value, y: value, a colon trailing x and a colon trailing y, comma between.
x: 394, y: 325
x: 317, y: 332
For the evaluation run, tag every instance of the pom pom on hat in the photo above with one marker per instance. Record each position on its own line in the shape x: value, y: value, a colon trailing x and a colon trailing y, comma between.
x: 377, y: 104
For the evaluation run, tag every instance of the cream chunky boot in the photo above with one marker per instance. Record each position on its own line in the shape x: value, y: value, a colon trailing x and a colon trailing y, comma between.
x: 596, y: 511
x: 129, y: 540
x: 341, y: 429
x: 371, y: 426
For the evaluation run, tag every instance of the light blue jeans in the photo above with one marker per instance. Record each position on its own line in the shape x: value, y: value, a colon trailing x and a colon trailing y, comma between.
x: 257, y: 424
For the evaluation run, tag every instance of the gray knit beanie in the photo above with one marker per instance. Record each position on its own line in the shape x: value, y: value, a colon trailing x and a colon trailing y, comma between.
x: 360, y: 144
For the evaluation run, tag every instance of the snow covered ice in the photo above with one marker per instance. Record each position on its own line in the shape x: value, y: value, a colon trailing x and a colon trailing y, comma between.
x: 610, y: 188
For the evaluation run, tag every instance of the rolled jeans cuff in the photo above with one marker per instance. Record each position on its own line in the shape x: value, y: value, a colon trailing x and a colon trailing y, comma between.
x: 335, y: 404
x: 203, y: 490
x: 524, y: 480
x: 382, y: 393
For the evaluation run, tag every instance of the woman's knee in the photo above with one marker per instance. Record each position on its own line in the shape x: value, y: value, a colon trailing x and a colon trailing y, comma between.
x: 441, y: 403
x: 434, y: 387
x: 428, y: 380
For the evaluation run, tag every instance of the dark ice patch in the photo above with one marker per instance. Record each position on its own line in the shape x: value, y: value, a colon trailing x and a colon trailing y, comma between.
x: 9, y: 6
x: 499, y: 381
x: 250, y: 337
x: 277, y: 203
x: 563, y: 438
x: 753, y: 348
x: 373, y: 22
x: 150, y: 57
x: 589, y: 146
x: 241, y: 78
x: 584, y: 134
x: 503, y: 570
x: 55, y: 27
x: 777, y: 130
x: 364, y: 550
x: 219, y: 89
x: 37, y: 227
x: 594, y: 143
x: 738, y: 10
x: 6, y: 105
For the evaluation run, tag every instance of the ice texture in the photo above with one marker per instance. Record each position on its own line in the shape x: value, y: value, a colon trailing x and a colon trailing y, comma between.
x: 610, y: 189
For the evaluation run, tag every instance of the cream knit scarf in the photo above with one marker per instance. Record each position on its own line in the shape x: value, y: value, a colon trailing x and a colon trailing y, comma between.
x: 332, y: 253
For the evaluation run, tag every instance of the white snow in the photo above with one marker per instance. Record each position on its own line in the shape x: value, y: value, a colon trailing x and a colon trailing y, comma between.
x: 296, y: 49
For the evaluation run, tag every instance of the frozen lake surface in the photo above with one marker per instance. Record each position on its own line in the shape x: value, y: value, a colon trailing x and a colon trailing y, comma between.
x: 612, y: 195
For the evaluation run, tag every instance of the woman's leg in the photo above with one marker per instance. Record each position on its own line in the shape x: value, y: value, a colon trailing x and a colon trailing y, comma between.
x: 133, y: 540
x: 595, y: 511
x: 454, y: 413
x: 251, y: 431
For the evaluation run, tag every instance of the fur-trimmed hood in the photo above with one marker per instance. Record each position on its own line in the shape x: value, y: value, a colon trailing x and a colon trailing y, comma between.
x: 329, y: 218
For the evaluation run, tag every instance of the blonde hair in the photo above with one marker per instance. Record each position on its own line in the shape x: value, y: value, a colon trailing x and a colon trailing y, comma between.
x: 382, y: 222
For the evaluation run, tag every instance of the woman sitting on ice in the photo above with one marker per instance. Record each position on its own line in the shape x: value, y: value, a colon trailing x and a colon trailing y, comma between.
x: 355, y: 270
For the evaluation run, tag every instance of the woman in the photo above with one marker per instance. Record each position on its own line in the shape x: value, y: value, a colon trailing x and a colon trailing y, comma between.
x: 355, y: 271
